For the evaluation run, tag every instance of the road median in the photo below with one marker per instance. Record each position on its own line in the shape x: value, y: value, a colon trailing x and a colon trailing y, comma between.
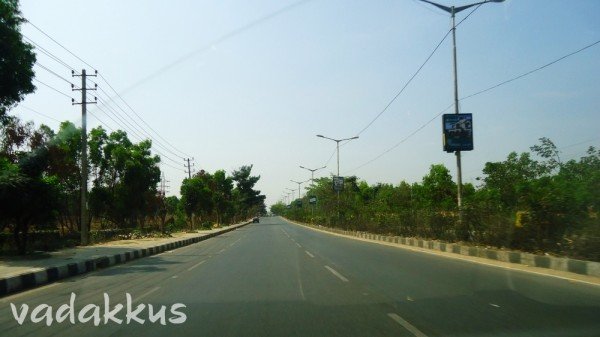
x: 590, y: 270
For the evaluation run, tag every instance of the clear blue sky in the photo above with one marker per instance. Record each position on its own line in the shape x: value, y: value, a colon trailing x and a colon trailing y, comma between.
x: 328, y: 67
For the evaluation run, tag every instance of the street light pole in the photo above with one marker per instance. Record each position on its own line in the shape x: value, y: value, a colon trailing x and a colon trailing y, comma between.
x: 292, y: 191
x: 312, y: 181
x: 453, y: 10
x: 338, y: 148
x: 338, y: 163
x: 312, y: 172
x: 299, y: 184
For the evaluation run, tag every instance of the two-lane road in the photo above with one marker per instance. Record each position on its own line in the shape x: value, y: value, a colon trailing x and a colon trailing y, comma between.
x: 279, y: 279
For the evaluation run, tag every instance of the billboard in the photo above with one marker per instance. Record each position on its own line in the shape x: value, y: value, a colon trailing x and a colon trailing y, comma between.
x: 458, y: 132
x: 338, y: 183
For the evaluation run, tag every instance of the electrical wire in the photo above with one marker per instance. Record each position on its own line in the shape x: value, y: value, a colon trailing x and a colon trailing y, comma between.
x: 531, y: 71
x: 58, y: 43
x: 53, y: 88
x: 130, y: 129
x: 49, y: 54
x: 54, y: 73
x: 102, y: 77
x: 481, y: 92
x: 139, y: 127
x: 39, y: 113
x: 405, y: 85
x: 414, y: 75
x: 140, y: 118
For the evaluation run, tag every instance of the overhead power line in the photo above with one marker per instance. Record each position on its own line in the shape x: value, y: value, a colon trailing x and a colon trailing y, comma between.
x: 475, y: 94
x: 53, y: 88
x: 58, y: 43
x: 49, y: 54
x: 137, y: 128
x: 405, y: 85
x: 142, y: 120
x: 39, y: 113
x: 57, y: 59
x: 235, y: 32
x: 130, y: 129
x: 414, y: 75
x: 531, y: 71
x: 53, y: 73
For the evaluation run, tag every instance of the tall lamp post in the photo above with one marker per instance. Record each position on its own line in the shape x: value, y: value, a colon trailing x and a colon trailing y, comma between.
x: 299, y: 184
x: 312, y: 181
x: 453, y: 10
x: 312, y: 172
x: 291, y: 193
x: 338, y: 148
x: 337, y: 141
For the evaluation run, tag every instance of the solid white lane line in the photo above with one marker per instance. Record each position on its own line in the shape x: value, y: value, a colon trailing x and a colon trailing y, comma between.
x: 196, y: 265
x: 147, y: 293
x: 297, y: 244
x: 416, y: 332
x: 334, y: 272
x: 495, y: 305
x: 309, y: 254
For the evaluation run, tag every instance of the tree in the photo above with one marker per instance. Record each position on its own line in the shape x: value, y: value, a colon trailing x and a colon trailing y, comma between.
x: 126, y: 177
x: 250, y: 201
x: 222, y: 194
x: 17, y: 60
x: 196, y: 197
x: 28, y: 197
x: 438, y: 189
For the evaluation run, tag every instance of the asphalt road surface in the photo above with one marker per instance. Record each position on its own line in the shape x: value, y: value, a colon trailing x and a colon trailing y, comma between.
x: 279, y: 279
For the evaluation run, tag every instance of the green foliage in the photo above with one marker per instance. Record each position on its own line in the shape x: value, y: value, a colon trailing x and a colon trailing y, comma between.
x: 17, y: 60
x: 249, y: 201
x: 530, y: 201
x: 212, y: 198
x: 126, y: 177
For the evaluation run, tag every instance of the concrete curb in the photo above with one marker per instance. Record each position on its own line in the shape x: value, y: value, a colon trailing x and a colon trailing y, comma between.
x: 582, y: 267
x: 47, y: 275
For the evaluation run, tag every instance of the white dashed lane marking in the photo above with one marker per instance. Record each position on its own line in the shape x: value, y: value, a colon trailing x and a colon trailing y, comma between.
x: 196, y: 265
x: 416, y: 332
x: 334, y: 272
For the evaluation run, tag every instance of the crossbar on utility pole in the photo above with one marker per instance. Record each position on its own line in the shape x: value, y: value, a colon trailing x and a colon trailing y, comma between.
x: 85, y: 226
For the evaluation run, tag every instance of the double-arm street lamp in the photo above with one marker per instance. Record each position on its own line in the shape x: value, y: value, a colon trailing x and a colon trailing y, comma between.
x: 453, y: 10
x: 290, y: 193
x: 299, y: 184
x: 312, y: 172
x: 338, y: 148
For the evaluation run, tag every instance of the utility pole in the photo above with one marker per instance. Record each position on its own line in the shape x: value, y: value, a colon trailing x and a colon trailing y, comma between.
x: 85, y: 226
x: 189, y: 167
x: 164, y: 188
x: 189, y: 172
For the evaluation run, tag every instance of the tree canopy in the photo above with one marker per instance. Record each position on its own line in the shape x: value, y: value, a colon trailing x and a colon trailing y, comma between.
x: 17, y: 58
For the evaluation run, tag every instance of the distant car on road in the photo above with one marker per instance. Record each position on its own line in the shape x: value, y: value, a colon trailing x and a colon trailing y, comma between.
x: 256, y: 219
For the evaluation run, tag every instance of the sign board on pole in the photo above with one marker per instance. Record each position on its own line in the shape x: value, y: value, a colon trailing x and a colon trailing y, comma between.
x: 458, y: 132
x: 312, y: 199
x: 338, y: 183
